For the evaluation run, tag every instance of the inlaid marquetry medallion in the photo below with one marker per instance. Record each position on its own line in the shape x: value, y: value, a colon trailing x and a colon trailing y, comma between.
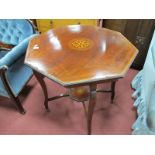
x: 80, y: 44
x: 80, y: 54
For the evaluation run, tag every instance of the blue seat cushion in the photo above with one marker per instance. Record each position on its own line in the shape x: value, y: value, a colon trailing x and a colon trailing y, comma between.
x: 2, y: 53
x: 18, y: 74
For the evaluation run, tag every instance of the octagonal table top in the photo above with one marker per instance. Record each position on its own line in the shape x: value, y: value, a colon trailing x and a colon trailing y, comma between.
x: 77, y: 54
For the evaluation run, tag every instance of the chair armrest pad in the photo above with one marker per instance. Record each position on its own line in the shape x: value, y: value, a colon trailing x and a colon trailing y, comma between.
x: 16, y: 52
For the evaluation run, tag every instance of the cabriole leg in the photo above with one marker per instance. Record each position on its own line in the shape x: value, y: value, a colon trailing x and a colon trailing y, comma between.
x: 40, y: 79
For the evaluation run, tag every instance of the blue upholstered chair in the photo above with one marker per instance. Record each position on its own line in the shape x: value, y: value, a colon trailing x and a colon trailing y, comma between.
x: 144, y: 95
x: 13, y: 73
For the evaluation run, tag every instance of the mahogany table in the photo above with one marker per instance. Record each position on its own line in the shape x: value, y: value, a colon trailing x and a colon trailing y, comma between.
x: 78, y: 58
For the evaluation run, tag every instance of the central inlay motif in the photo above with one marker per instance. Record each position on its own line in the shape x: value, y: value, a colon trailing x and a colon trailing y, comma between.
x: 81, y: 44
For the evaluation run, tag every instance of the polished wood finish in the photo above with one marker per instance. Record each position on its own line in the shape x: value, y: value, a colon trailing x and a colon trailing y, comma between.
x: 77, y: 54
x: 80, y: 57
x: 4, y: 46
x: 80, y: 93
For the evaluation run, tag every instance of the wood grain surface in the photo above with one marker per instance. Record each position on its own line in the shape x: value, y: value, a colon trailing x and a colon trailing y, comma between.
x: 78, y: 54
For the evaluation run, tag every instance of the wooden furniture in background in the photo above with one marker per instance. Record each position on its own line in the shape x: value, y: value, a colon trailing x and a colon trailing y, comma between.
x: 47, y: 24
x: 138, y: 31
x: 79, y: 56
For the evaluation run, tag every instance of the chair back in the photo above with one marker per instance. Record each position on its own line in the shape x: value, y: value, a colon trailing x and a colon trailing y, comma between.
x: 13, y: 31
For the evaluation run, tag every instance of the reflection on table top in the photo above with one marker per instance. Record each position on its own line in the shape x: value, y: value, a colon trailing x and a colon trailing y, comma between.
x: 78, y: 54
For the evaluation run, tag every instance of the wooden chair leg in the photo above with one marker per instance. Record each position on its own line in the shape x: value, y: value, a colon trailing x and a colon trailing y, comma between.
x: 40, y: 79
x: 91, y: 106
x: 9, y: 90
x: 113, y: 90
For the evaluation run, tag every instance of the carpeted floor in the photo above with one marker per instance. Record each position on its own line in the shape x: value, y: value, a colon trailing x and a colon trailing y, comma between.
x: 67, y: 116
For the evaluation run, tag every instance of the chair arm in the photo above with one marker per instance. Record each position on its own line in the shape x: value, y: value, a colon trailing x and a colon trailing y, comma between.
x: 3, y: 69
x: 16, y: 52
x: 5, y: 81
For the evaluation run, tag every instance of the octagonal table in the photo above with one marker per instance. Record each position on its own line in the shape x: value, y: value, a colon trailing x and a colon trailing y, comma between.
x: 78, y: 58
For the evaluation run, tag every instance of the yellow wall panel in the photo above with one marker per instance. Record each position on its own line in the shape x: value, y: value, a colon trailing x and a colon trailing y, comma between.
x: 46, y: 24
